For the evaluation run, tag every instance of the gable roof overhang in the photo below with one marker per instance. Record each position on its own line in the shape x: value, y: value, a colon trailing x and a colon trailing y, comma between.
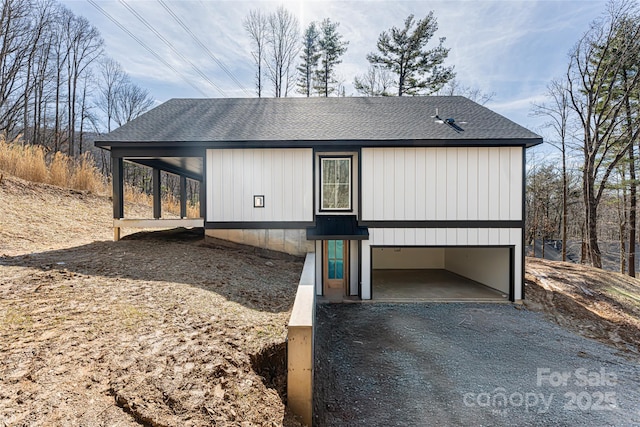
x: 277, y: 122
x: 341, y: 143
x: 175, y: 135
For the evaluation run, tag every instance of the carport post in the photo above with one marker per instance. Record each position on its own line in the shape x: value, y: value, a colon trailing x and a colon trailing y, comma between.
x: 157, y: 194
x: 203, y: 199
x: 183, y: 196
x: 118, y: 192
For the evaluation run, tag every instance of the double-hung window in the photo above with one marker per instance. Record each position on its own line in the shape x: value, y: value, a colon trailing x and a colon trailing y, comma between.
x: 336, y: 183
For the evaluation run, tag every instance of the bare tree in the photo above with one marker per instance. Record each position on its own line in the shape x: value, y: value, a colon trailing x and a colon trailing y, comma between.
x: 61, y: 52
x: 85, y: 106
x: 283, y: 40
x: 557, y: 113
x: 42, y: 73
x: 15, y: 47
x: 454, y: 88
x: 594, y: 89
x: 255, y: 24
x: 47, y: 85
x: 84, y: 46
x: 112, y: 79
x: 377, y: 81
x: 40, y: 21
x: 131, y: 101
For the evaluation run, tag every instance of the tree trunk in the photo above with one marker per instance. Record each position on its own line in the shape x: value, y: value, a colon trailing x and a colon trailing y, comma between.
x: 56, y: 127
x: 591, y: 210
x: 631, y: 265
x: 632, y: 180
x: 565, y: 207
x: 25, y: 117
x: 622, y: 230
x: 593, y: 250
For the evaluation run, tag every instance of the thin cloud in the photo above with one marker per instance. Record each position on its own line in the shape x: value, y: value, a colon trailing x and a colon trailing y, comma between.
x: 512, y: 48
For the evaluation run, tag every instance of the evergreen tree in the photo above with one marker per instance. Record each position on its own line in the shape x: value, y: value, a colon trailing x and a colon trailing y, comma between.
x: 403, y: 52
x: 310, y: 56
x: 331, y: 49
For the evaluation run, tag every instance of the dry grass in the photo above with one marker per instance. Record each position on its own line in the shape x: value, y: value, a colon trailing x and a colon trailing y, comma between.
x: 31, y: 164
x: 27, y: 162
x: 170, y: 203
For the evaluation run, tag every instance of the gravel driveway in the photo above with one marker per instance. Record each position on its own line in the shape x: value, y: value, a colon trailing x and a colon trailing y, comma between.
x: 465, y: 364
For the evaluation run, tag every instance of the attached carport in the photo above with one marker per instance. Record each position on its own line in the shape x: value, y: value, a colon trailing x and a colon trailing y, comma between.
x: 185, y: 162
x: 448, y: 273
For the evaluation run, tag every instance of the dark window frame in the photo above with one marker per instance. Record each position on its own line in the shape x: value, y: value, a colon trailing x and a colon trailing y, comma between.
x: 321, y: 182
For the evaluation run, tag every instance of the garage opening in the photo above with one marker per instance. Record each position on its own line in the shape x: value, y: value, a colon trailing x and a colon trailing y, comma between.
x: 442, y: 273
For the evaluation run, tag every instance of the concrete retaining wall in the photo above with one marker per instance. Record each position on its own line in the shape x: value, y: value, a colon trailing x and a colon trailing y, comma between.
x: 300, y: 345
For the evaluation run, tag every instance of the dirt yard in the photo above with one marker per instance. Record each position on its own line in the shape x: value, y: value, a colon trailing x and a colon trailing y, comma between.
x: 598, y: 304
x: 159, y: 329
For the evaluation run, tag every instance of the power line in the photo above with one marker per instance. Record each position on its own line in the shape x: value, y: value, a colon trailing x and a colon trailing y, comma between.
x: 203, y: 46
x: 170, y: 45
x: 151, y: 51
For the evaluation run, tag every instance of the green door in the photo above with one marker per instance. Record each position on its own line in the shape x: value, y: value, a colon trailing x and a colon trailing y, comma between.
x: 335, y: 266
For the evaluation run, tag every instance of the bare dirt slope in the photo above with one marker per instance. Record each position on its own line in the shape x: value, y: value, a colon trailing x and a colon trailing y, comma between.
x: 599, y: 304
x: 158, y: 330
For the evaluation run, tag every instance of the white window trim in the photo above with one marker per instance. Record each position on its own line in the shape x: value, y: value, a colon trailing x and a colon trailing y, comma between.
x: 347, y: 209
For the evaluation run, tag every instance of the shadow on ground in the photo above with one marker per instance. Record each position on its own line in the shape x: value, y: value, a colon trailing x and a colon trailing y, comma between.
x: 258, y: 279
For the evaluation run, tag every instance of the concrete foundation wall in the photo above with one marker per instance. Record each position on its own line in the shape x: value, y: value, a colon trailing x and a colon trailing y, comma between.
x: 407, y: 258
x: 290, y: 241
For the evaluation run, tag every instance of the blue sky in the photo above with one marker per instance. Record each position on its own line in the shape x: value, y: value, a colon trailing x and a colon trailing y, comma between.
x: 510, y: 47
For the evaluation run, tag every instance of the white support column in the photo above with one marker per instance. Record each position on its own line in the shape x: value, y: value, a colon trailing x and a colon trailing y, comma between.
x: 366, y: 270
x: 354, y: 278
x: 318, y: 261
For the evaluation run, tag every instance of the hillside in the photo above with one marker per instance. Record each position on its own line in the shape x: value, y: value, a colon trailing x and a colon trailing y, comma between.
x: 160, y: 329
x: 610, y: 251
x: 157, y: 329
x: 596, y: 303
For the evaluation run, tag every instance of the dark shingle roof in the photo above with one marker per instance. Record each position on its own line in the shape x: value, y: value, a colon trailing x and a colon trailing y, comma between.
x: 273, y: 121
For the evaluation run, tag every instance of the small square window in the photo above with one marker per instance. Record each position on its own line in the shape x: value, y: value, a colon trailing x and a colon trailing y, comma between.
x: 258, y: 201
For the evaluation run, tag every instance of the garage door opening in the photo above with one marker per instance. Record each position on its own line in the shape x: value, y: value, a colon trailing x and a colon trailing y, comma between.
x: 442, y: 274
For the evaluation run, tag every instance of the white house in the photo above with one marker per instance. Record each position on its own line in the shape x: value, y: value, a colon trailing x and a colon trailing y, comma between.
x: 405, y: 184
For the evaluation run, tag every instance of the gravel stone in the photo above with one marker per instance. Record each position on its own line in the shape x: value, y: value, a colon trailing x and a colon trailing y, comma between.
x: 465, y: 364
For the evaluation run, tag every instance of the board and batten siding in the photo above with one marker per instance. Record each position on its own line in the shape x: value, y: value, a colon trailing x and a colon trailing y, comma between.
x: 453, y: 183
x: 283, y: 176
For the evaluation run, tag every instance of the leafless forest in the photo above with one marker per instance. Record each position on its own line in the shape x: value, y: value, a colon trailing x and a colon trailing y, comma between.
x: 59, y: 89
